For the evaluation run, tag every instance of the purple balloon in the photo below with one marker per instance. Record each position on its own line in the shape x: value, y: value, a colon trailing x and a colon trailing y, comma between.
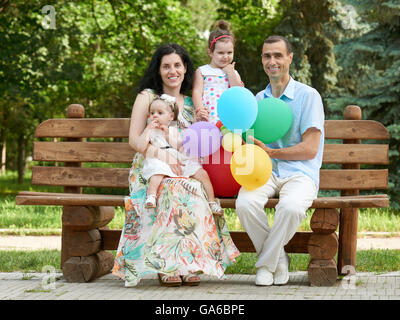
x: 201, y: 139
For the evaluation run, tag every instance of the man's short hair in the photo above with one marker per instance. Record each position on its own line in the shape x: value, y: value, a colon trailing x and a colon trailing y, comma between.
x: 273, y: 39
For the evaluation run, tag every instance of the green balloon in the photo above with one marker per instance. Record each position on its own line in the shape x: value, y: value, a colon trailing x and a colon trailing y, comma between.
x: 274, y: 119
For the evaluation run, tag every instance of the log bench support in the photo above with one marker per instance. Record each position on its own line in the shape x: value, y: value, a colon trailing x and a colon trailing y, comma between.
x: 86, y: 239
x: 322, y: 247
x: 82, y: 257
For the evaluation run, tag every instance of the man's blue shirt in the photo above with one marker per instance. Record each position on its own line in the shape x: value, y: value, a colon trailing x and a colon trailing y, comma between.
x: 308, y: 111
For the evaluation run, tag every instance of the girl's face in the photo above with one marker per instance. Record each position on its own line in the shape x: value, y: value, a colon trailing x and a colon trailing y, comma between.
x: 172, y: 71
x: 222, y: 54
x: 161, y: 111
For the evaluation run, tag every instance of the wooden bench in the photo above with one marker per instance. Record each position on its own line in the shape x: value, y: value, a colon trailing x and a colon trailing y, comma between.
x: 86, y: 239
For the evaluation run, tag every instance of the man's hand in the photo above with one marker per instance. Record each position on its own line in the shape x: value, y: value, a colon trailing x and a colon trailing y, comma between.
x: 261, y: 144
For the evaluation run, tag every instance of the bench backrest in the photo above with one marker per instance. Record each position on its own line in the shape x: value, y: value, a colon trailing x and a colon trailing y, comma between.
x: 347, y: 151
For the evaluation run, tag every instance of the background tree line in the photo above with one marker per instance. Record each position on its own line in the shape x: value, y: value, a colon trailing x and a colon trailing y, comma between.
x: 348, y: 50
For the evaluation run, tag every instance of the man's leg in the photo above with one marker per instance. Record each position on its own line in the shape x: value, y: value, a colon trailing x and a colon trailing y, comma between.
x: 250, y: 210
x: 296, y: 196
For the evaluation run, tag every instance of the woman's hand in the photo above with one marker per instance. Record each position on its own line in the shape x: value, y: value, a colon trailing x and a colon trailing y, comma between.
x: 175, y: 165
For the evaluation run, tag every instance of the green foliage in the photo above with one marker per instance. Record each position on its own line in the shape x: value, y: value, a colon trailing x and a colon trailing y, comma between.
x: 251, y: 22
x: 369, y: 60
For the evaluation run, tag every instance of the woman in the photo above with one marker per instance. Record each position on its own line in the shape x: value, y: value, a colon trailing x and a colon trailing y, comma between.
x: 180, y: 238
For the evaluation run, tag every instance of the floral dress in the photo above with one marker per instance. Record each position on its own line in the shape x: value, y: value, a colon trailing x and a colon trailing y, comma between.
x: 180, y: 236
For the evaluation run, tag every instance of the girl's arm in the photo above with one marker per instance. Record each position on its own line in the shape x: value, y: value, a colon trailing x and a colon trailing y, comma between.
x: 233, y: 75
x: 201, y: 112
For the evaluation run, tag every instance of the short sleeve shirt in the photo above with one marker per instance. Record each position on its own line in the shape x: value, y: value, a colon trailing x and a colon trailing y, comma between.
x: 308, y: 111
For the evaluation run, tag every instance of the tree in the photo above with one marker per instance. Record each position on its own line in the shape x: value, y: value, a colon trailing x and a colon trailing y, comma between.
x: 369, y: 58
x: 95, y: 55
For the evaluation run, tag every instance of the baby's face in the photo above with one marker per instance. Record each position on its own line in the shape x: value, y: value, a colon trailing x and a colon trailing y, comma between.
x: 161, y: 111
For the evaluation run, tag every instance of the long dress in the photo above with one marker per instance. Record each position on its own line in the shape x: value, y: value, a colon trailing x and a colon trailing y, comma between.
x: 178, y: 237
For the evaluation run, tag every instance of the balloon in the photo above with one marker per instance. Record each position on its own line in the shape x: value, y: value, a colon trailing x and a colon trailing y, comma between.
x: 274, y: 119
x: 217, y: 166
x: 224, y: 130
x: 231, y: 141
x: 201, y: 139
x: 251, y: 166
x: 237, y: 108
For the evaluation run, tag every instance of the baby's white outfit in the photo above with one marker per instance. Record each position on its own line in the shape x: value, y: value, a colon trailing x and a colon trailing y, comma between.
x: 215, y: 82
x: 152, y: 166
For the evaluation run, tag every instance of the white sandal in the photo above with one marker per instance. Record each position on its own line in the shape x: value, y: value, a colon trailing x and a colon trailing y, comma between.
x: 216, y: 208
x: 150, y: 201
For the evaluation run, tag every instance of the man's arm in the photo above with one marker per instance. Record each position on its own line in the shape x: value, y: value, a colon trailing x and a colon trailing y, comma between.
x: 305, y: 150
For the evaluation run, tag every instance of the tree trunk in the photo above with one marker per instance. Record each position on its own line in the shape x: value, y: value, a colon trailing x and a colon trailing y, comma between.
x: 21, y: 158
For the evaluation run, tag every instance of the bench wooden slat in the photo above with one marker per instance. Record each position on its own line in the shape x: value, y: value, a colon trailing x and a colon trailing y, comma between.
x: 52, y: 198
x: 121, y: 152
x: 83, y: 177
x: 353, y: 179
x: 118, y: 178
x: 84, y: 128
x: 356, y: 153
x: 355, y: 129
x: 108, y: 128
x: 298, y: 244
x: 112, y: 152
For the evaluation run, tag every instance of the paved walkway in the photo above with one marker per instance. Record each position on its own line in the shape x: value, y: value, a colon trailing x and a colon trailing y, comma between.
x: 372, y: 240
x: 52, y: 286
x: 41, y: 286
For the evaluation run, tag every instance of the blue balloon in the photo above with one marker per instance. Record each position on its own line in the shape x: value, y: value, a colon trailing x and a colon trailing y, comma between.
x: 237, y: 108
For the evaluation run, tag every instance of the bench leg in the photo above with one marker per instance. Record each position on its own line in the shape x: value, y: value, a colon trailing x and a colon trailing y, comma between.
x: 322, y: 247
x: 82, y: 257
x: 347, y: 240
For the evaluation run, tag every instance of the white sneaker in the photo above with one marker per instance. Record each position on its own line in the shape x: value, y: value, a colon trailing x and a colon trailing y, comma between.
x: 281, y: 274
x: 264, y: 277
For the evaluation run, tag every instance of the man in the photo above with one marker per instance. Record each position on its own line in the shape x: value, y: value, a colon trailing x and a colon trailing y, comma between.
x: 296, y: 160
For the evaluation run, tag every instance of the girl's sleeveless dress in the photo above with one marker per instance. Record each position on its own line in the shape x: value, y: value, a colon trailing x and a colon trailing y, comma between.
x: 215, y: 82
x: 178, y: 237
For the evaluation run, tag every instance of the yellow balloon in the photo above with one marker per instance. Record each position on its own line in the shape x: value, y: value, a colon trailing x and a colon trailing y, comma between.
x: 231, y: 141
x: 251, y: 166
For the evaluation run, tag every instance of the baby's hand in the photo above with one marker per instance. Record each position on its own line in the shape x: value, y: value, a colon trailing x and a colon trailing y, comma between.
x: 154, y: 124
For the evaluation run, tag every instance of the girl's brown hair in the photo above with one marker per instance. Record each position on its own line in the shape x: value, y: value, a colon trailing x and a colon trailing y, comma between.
x: 221, y: 32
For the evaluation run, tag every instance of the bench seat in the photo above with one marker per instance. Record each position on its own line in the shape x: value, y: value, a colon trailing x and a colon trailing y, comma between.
x: 73, y: 199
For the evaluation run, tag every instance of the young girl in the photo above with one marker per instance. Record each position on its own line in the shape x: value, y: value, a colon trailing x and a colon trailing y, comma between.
x: 213, y: 79
x: 160, y: 133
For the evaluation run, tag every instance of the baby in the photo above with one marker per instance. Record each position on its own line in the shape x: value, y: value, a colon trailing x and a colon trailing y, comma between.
x: 161, y: 133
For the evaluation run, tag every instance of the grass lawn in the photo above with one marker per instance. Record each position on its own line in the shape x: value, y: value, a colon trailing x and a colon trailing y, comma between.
x: 378, y: 261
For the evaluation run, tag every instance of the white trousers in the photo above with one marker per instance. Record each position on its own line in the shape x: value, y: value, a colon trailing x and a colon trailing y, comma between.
x: 296, y: 195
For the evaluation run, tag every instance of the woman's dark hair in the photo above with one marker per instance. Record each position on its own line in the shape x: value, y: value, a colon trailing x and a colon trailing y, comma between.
x: 152, y: 78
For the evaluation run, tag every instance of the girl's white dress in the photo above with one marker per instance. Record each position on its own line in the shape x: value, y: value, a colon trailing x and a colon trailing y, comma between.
x: 152, y: 166
x: 215, y: 82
